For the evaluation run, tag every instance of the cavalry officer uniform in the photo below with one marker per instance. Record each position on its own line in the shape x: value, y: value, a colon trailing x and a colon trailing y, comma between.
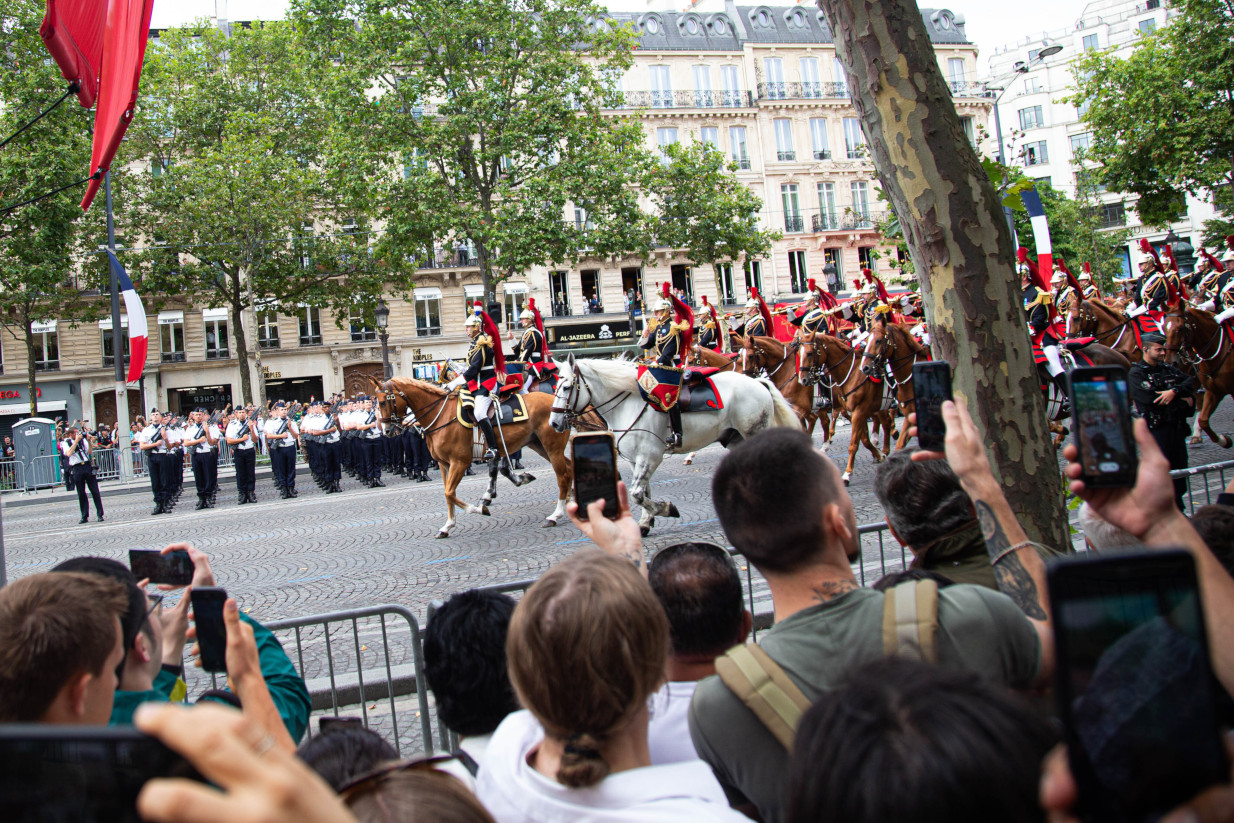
x: 77, y: 450
x: 1064, y: 295
x: 370, y: 438
x: 530, y: 349
x: 1045, y: 333
x: 860, y: 310
x: 1166, y: 421
x: 280, y: 435
x: 481, y: 374
x: 153, y: 443
x: 242, y: 438
x: 1086, y: 283
x: 203, y: 450
x: 756, y: 324
x: 664, y: 341
x: 709, y: 331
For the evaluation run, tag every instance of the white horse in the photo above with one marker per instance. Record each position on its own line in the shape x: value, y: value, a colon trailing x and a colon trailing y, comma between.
x: 750, y: 406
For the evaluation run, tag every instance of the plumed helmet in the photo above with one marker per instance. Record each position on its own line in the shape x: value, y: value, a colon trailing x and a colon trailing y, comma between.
x: 1228, y: 256
x: 472, y: 320
x: 1085, y: 277
x: 751, y: 303
x: 867, y: 288
x: 662, y: 304
x: 1059, y: 277
x: 527, y: 314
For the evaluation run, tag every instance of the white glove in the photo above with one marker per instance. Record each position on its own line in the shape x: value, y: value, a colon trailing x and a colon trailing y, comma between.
x: 455, y: 383
x: 1209, y: 306
x: 1136, y: 311
x: 1225, y: 315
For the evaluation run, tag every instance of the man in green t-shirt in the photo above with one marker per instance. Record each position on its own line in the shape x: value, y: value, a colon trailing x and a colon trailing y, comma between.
x: 826, y: 624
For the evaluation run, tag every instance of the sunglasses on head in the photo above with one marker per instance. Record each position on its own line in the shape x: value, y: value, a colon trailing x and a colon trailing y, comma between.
x: 373, y: 779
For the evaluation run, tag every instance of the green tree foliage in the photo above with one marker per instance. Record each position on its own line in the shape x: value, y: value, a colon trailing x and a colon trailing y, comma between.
x: 40, y: 278
x: 1216, y: 231
x: 702, y: 208
x: 1076, y: 235
x: 250, y: 197
x: 487, y: 117
x: 1163, y: 118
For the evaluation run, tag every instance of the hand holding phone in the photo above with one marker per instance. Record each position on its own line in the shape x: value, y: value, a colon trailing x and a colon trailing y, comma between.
x: 931, y: 387
x: 1101, y: 415
x: 175, y: 568
x: 594, y: 456
x: 211, y: 630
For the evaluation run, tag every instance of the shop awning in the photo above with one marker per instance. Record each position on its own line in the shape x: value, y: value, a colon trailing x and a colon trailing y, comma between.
x: 473, y: 291
x: 45, y: 327
x: 214, y: 314
x: 24, y: 408
x: 514, y: 288
x: 105, y: 323
x: 167, y: 318
x: 428, y: 293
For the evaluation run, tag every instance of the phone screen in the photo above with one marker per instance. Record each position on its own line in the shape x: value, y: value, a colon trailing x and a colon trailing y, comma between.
x: 595, y: 474
x: 174, y: 568
x: 211, y: 630
x: 1135, y: 688
x: 76, y: 773
x: 931, y: 386
x: 1103, y: 427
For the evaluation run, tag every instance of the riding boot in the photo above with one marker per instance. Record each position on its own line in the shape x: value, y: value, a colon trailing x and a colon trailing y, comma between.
x: 674, y: 419
x: 490, y: 437
x: 1060, y: 380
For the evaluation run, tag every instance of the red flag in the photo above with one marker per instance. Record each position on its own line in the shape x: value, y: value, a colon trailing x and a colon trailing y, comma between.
x: 72, y: 31
x: 124, y: 51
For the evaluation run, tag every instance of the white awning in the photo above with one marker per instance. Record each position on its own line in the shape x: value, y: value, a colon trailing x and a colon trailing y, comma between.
x: 166, y: 318
x: 428, y: 293
x: 214, y: 314
x: 45, y: 327
x: 24, y: 408
x: 105, y: 323
x: 473, y: 291
x: 514, y: 288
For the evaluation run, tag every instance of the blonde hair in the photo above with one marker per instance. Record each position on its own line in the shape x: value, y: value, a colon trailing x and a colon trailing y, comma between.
x: 587, y: 646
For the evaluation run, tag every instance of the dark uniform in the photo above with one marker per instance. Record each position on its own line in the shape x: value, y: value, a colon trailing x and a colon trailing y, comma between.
x: 1168, y: 423
x: 530, y: 346
x: 709, y: 335
x: 756, y: 326
x: 812, y: 321
x: 665, y: 348
x: 1154, y: 293
x: 481, y: 379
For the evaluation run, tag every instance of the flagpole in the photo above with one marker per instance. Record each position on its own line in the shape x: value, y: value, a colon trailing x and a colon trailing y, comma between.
x: 124, y: 438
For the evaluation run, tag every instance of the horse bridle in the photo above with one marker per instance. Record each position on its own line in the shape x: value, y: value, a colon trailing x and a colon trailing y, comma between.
x: 388, y: 390
x: 1190, y: 330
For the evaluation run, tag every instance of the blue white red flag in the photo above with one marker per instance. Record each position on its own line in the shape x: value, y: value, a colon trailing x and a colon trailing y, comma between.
x: 139, y: 335
x: 1041, y: 233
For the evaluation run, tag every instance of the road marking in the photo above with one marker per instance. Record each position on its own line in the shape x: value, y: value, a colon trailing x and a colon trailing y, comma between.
x: 447, y: 559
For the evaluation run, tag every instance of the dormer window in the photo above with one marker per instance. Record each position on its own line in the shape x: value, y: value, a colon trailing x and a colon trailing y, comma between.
x: 691, y: 26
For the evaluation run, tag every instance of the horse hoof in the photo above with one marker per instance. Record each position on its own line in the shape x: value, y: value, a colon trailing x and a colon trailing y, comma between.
x: 644, y: 530
x: 672, y: 511
x: 526, y: 478
x: 484, y: 511
x: 1225, y: 442
x: 548, y: 524
x: 845, y: 478
x: 441, y: 535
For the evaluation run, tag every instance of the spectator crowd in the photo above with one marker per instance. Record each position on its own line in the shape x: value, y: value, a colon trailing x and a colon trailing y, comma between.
x: 622, y: 688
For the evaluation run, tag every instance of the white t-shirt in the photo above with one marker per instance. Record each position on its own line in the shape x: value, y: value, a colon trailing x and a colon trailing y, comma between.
x: 668, y: 733
x: 233, y: 431
x: 203, y: 447
x: 476, y: 747
x: 514, y: 792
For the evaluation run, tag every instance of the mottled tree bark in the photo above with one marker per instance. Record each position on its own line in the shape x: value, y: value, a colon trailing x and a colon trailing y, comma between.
x: 959, y: 242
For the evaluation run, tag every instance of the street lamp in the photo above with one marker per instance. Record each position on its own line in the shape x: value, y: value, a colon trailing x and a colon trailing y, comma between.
x: 829, y: 272
x: 382, y: 315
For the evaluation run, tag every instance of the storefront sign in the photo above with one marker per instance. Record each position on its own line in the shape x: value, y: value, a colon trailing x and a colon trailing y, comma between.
x: 612, y: 332
x: 15, y: 394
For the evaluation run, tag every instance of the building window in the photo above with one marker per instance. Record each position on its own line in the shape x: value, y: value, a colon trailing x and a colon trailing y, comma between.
x: 1031, y: 118
x: 753, y: 270
x: 428, y: 312
x: 661, y: 87
x: 1089, y: 42
x: 267, y: 329
x: 956, y: 73
x: 473, y: 295
x: 1148, y: 26
x: 775, y: 87
x: 1111, y: 215
x: 665, y: 137
x: 865, y: 258
x: 109, y: 351
x: 589, y: 279
x: 1035, y: 154
x: 833, y: 258
x: 559, y: 293
x: 737, y: 144
x: 514, y: 303
x: 970, y: 131
x: 702, y: 87
x: 837, y: 71
x: 1032, y: 85
x: 818, y: 138
x: 171, y: 339
x: 1089, y: 180
x: 310, y: 326
x: 854, y: 140
x: 797, y: 271
x: 811, y: 85
x: 1080, y: 142
x: 216, y: 338
x: 727, y: 293
x: 360, y: 330
x: 828, y: 219
x: 46, y: 348
x: 792, y: 209
x: 732, y: 86
x: 710, y: 136
x: 784, y: 140
x: 861, y: 203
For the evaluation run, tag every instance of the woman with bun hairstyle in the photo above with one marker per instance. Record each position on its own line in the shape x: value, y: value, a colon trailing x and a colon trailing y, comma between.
x: 587, y: 646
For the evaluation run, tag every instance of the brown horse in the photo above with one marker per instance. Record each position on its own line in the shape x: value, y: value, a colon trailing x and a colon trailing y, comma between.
x: 1106, y: 325
x: 824, y: 356
x: 703, y: 356
x: 450, y: 443
x: 1196, y: 333
x: 778, y: 361
x: 890, y: 352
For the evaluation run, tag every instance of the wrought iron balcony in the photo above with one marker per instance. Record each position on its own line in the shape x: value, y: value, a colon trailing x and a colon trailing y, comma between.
x: 734, y: 99
x: 801, y: 91
x: 794, y: 223
x: 786, y: 156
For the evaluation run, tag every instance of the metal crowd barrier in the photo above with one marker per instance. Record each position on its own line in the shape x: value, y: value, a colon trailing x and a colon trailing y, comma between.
x: 43, y: 472
x: 12, y: 476
x: 1204, y: 483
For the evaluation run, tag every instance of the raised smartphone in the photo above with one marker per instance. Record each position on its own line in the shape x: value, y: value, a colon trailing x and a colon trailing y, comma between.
x: 211, y: 630
x: 1101, y: 416
x: 174, y: 568
x: 595, y: 472
x: 931, y: 386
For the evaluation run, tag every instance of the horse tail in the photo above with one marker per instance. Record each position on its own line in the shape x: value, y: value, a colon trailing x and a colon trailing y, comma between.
x: 782, y: 413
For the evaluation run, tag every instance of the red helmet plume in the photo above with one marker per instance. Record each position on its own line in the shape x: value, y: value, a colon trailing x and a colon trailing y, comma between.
x: 879, y: 288
x: 1169, y: 256
x: 1212, y: 260
x: 490, y: 328
x: 762, y: 308
x: 531, y: 306
x: 1071, y: 281
x: 683, y: 314
x: 1088, y: 269
x: 1229, y: 241
x: 1148, y: 249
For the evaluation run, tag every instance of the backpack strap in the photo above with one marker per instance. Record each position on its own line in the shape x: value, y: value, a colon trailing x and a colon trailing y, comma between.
x: 910, y: 621
x: 469, y: 762
x: 763, y: 686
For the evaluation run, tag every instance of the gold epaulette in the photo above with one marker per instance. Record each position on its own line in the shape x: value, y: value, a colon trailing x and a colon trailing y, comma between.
x: 1042, y: 299
x: 679, y: 327
x: 881, y: 308
x: 484, y: 340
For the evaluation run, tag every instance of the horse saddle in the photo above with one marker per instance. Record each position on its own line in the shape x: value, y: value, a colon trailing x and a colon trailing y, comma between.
x: 1077, y: 342
x: 511, y: 410
x: 699, y: 393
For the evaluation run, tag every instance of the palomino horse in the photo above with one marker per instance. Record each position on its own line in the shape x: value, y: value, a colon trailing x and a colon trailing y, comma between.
x: 610, y: 388
x: 450, y: 443
x: 890, y: 352
x: 823, y: 357
x: 1107, y: 326
x: 777, y: 360
x: 1211, y: 348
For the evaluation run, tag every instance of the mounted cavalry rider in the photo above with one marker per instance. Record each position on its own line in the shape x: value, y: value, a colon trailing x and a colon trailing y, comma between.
x: 1171, y: 272
x: 533, y: 346
x: 1087, y: 288
x: 1206, y: 282
x: 667, y: 337
x: 758, y: 316
x: 813, y: 317
x: 1043, y: 323
x: 710, y: 334
x: 485, y: 373
x: 1066, y: 290
x: 1154, y: 289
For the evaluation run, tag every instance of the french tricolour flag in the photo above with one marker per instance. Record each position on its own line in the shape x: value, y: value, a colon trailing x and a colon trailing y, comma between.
x: 1041, y: 233
x: 139, y: 336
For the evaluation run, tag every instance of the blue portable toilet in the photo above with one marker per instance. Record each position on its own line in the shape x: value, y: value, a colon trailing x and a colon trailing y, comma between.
x: 34, y: 447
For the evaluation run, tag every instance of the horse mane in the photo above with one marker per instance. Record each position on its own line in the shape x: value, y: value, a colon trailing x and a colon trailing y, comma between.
x: 616, y: 373
x: 431, y: 388
x: 773, y: 340
x: 914, y: 345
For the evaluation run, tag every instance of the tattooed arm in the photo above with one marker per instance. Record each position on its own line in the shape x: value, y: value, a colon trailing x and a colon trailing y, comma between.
x: 621, y: 537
